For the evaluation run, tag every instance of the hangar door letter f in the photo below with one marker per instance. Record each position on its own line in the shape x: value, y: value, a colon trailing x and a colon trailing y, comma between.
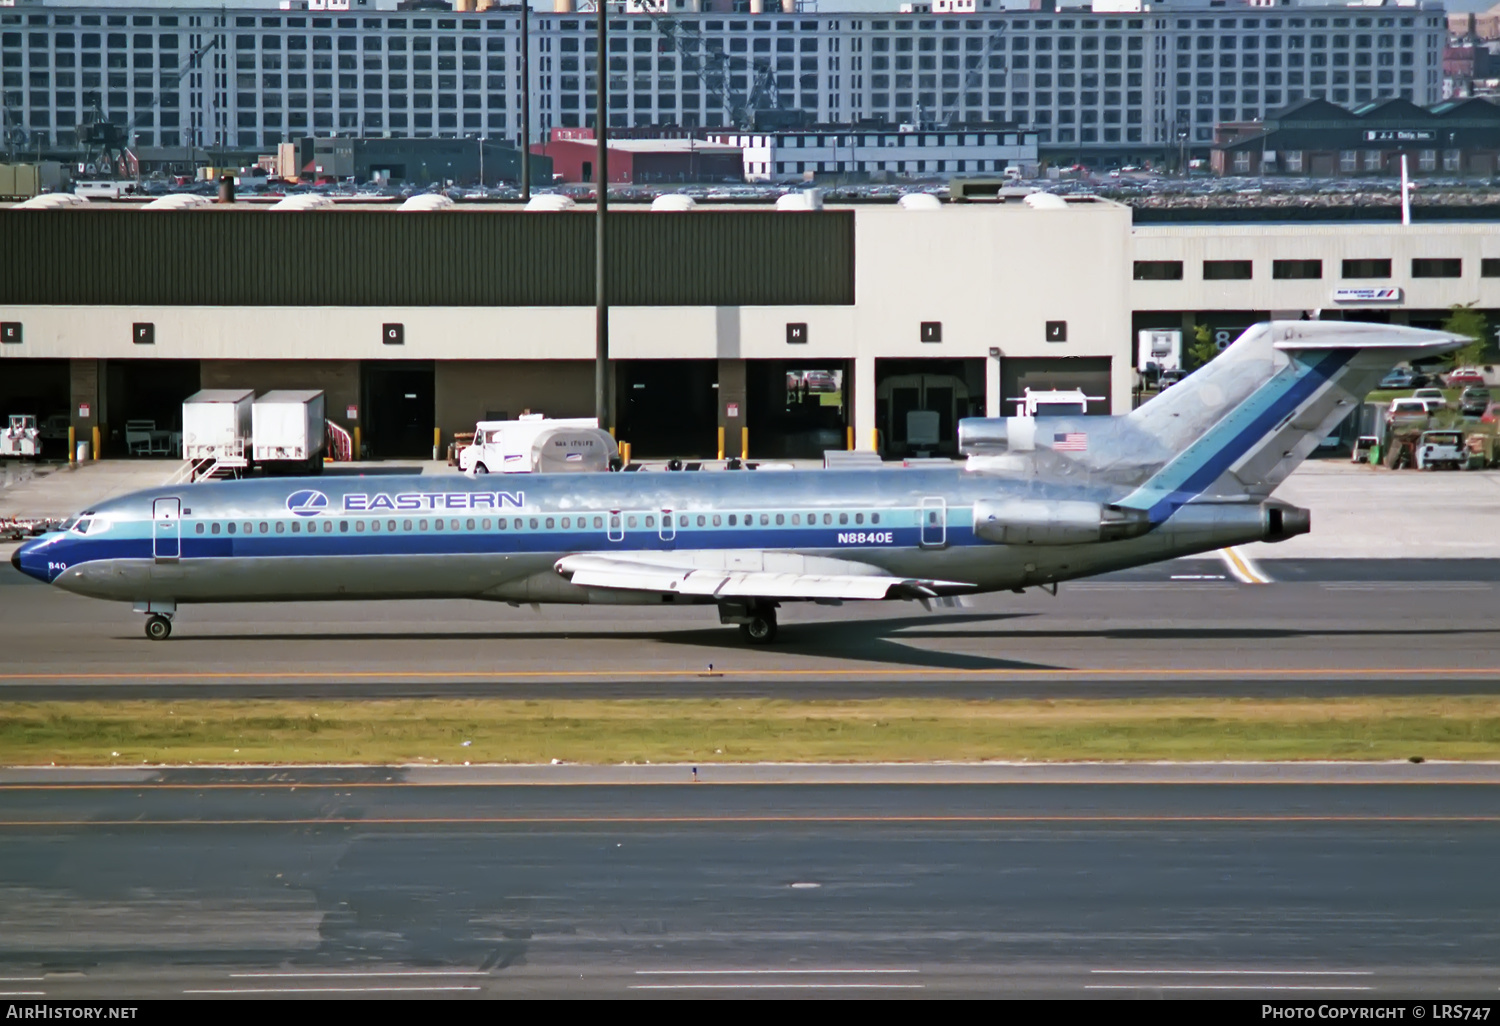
x: 166, y: 539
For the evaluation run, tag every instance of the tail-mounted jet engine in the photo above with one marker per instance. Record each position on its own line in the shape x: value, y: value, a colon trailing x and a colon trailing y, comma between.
x: 1075, y: 522
x: 1066, y: 522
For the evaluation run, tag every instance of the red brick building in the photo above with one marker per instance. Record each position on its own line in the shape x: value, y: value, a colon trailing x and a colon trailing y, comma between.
x: 641, y: 161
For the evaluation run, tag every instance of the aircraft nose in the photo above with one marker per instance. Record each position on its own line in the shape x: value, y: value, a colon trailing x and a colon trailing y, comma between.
x: 19, y: 560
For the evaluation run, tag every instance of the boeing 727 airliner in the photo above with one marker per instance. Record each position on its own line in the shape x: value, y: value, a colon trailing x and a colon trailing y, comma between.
x: 1040, y: 501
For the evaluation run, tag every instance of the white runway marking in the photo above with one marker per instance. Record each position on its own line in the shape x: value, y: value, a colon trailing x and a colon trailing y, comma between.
x: 771, y: 972
x: 325, y: 990
x: 1402, y: 586
x: 776, y: 986
x: 23, y: 993
x: 22, y: 979
x: 354, y: 975
x: 1235, y: 972
x: 1216, y: 986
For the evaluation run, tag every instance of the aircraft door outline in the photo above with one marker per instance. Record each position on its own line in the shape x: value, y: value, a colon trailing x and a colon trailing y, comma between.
x: 933, y: 516
x: 166, y: 530
x: 668, y: 530
x: 616, y: 528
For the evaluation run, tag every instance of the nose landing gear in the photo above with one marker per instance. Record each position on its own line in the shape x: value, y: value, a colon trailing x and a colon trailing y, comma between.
x: 158, y: 618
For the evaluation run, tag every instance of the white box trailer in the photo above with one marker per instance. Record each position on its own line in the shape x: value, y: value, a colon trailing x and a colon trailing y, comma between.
x: 290, y: 431
x: 216, y: 426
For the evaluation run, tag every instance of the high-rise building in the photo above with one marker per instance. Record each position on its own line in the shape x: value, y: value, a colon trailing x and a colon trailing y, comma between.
x: 1142, y: 78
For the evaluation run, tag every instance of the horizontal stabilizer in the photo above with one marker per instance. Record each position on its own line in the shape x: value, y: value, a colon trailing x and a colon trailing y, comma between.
x: 596, y: 570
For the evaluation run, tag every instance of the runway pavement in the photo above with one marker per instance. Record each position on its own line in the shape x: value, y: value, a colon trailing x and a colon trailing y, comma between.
x: 377, y: 883
x: 1327, y: 627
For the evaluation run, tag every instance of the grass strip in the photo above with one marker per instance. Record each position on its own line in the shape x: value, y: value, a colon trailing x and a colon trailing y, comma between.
x: 744, y: 730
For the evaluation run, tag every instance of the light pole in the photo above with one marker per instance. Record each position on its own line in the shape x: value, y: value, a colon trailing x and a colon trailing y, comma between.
x: 525, y: 100
x: 601, y: 209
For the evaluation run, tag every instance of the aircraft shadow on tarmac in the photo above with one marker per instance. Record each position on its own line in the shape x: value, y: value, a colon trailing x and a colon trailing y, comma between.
x: 1209, y: 633
x: 885, y: 641
x: 865, y: 641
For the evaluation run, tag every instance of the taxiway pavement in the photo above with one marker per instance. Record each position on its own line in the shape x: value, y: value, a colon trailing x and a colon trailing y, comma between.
x: 1328, y: 627
x: 373, y: 883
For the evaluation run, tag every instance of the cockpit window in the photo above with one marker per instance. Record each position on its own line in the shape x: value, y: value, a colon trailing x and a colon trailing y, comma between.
x: 82, y: 525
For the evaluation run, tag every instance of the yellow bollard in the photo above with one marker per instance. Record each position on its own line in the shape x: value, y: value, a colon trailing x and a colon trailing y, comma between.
x: 721, y: 441
x: 357, y: 449
x: 625, y: 453
x: 72, y: 444
x: 612, y: 431
x: 744, y: 443
x: 875, y: 439
x: 437, y: 441
x: 96, y: 442
x: 850, y: 431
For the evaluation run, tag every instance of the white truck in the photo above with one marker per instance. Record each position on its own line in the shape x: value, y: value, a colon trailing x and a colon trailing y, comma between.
x: 1435, y: 449
x: 1054, y: 402
x: 1159, y: 349
x: 216, y: 427
x: 534, y: 444
x: 289, y: 431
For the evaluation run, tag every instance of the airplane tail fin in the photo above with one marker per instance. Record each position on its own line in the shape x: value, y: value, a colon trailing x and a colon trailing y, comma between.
x: 1239, y: 425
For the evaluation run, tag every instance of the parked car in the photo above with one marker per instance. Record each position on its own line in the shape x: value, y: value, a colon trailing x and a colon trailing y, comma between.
x: 1409, y: 410
x: 55, y: 428
x: 1460, y: 376
x: 820, y: 381
x: 1434, y: 398
x: 1398, y: 378
x: 1474, y: 401
x: 1491, y: 414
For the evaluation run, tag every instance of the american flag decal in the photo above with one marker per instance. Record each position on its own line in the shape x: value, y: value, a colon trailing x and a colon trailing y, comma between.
x: 1073, y: 441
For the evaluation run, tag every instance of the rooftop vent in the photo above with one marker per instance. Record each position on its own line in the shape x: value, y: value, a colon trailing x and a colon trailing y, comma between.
x: 427, y: 201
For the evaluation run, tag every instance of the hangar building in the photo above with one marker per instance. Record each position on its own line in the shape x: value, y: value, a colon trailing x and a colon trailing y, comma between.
x: 798, y: 331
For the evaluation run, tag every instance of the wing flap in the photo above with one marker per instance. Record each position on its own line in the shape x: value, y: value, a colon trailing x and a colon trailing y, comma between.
x: 597, y: 571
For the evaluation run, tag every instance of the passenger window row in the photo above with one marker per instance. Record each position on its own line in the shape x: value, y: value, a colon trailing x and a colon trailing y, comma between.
x: 345, y: 525
x: 1294, y: 270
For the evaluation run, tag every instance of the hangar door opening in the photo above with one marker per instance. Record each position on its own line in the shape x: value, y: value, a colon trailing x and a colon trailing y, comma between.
x: 145, y: 405
x: 918, y: 404
x: 40, y: 388
x: 399, y: 405
x: 668, y: 407
x: 1091, y: 374
x: 797, y: 409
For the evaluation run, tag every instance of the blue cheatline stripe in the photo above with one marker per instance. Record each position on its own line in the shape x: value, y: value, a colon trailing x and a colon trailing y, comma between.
x: 1205, y: 461
x: 193, y: 546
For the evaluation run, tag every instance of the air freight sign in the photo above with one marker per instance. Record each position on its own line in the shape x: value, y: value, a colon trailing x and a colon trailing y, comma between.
x: 1379, y: 295
x: 1400, y: 135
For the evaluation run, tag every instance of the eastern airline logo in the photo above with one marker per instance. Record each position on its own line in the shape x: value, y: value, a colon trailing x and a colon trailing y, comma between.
x: 307, y: 503
x: 360, y: 502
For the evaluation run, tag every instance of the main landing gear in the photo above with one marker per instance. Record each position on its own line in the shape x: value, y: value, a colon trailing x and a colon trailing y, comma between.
x: 757, y: 620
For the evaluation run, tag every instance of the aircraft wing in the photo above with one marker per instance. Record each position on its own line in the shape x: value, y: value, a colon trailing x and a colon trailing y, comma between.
x: 610, y: 571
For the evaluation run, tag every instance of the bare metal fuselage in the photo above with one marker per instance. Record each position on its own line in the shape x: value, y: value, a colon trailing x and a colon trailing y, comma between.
x: 455, y: 537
